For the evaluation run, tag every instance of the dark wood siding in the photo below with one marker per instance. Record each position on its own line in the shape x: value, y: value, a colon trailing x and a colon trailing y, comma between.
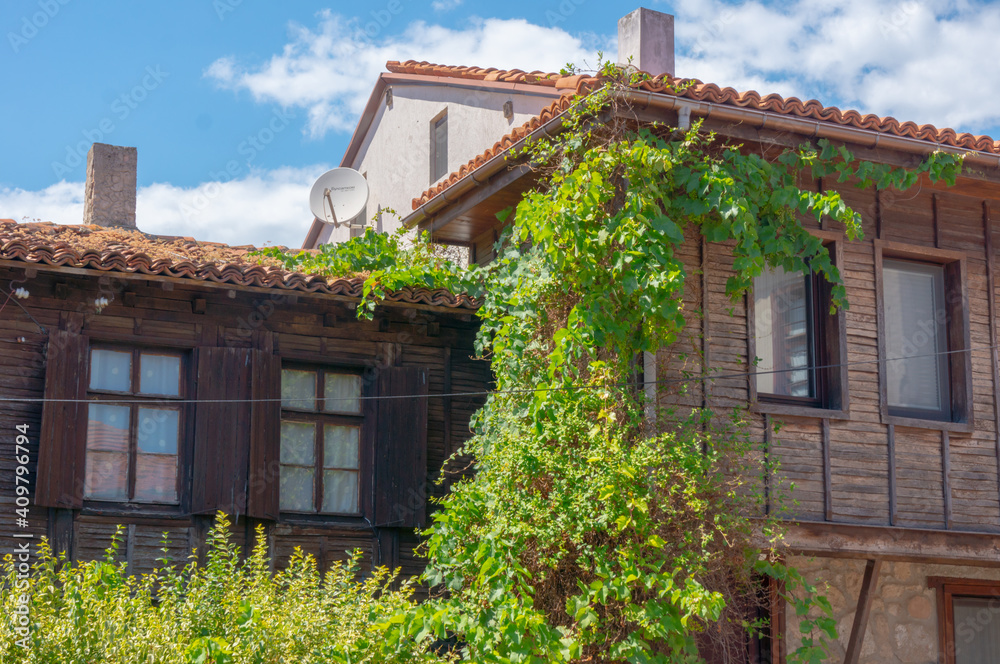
x: 235, y: 324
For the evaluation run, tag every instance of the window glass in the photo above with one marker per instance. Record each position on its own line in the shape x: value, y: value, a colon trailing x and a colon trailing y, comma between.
x: 783, y: 329
x: 340, y: 491
x: 341, y: 393
x: 915, y: 336
x: 340, y: 446
x: 298, y: 389
x: 159, y: 374
x: 977, y: 630
x: 106, y: 476
x: 439, y: 148
x: 158, y: 430
x: 110, y: 370
x: 156, y: 478
x: 107, y: 427
x: 298, y: 443
x: 296, y: 489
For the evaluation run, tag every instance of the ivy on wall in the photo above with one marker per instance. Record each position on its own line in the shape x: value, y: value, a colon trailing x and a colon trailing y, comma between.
x: 586, y: 533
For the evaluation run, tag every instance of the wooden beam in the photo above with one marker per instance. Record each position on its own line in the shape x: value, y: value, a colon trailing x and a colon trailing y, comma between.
x: 923, y: 545
x: 768, y: 425
x: 946, y: 476
x: 60, y: 531
x: 446, y: 404
x: 827, y: 472
x: 893, y: 509
x: 868, y: 585
x: 937, y: 224
x: 992, y: 312
x: 130, y: 549
x: 211, y: 285
x: 878, y: 214
x: 706, y: 330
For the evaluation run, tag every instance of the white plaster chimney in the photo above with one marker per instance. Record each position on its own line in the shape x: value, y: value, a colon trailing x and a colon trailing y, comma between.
x: 648, y: 37
x: 109, y: 199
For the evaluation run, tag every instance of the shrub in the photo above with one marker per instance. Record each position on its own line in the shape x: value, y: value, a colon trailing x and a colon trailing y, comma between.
x: 229, y: 610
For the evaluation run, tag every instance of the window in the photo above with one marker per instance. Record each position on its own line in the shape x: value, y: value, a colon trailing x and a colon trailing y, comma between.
x: 923, y: 330
x: 321, y: 422
x: 786, y: 336
x: 800, y: 348
x: 970, y: 629
x: 439, y: 146
x: 916, y: 339
x: 132, y: 448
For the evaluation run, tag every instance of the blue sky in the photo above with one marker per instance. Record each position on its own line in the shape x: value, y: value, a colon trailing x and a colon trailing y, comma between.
x: 195, y: 84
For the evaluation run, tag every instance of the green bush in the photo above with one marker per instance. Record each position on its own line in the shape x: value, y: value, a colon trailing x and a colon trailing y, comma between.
x: 229, y: 610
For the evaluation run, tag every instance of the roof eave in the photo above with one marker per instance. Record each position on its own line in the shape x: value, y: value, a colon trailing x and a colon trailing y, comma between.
x: 703, y: 109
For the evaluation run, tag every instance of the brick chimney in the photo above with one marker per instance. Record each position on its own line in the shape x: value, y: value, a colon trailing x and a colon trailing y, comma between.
x: 109, y: 199
x: 648, y: 37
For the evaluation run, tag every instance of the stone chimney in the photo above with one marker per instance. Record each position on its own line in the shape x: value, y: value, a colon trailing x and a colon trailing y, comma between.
x: 648, y: 37
x: 109, y: 199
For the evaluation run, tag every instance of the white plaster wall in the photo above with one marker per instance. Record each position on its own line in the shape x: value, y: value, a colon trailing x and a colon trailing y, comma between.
x: 396, y: 151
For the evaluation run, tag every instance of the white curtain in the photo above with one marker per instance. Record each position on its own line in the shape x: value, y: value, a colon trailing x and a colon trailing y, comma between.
x: 915, y: 318
x: 782, y: 332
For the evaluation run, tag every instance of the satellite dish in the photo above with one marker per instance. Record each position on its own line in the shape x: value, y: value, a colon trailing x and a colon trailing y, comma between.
x: 339, y: 196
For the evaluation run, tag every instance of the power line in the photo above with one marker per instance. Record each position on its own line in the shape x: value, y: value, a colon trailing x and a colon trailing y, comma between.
x: 527, y: 390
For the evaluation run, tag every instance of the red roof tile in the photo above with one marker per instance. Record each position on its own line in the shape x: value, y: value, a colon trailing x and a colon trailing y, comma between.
x: 132, y: 251
x: 580, y: 84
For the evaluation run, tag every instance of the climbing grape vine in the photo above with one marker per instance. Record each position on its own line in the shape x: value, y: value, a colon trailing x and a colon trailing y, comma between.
x: 593, y: 529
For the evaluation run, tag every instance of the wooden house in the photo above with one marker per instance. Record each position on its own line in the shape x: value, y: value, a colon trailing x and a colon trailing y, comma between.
x: 152, y: 381
x: 889, y: 444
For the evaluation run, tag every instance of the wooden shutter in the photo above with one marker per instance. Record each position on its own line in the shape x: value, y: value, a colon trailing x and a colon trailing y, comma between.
x: 63, y: 437
x: 401, y: 448
x: 265, y: 436
x: 222, y: 431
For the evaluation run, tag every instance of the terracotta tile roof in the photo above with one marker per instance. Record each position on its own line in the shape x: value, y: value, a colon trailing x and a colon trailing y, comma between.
x: 132, y: 251
x: 580, y: 84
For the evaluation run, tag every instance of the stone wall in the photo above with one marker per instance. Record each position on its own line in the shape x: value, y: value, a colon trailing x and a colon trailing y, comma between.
x: 902, y: 625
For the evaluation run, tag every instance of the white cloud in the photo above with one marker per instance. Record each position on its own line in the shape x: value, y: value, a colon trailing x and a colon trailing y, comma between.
x: 445, y: 5
x: 268, y: 207
x: 330, y: 70
x: 921, y: 61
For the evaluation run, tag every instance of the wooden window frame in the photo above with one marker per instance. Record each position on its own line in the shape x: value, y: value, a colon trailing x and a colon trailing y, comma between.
x: 433, y: 151
x: 947, y: 588
x: 320, y: 418
x: 960, y: 417
x: 830, y: 351
x: 138, y: 400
